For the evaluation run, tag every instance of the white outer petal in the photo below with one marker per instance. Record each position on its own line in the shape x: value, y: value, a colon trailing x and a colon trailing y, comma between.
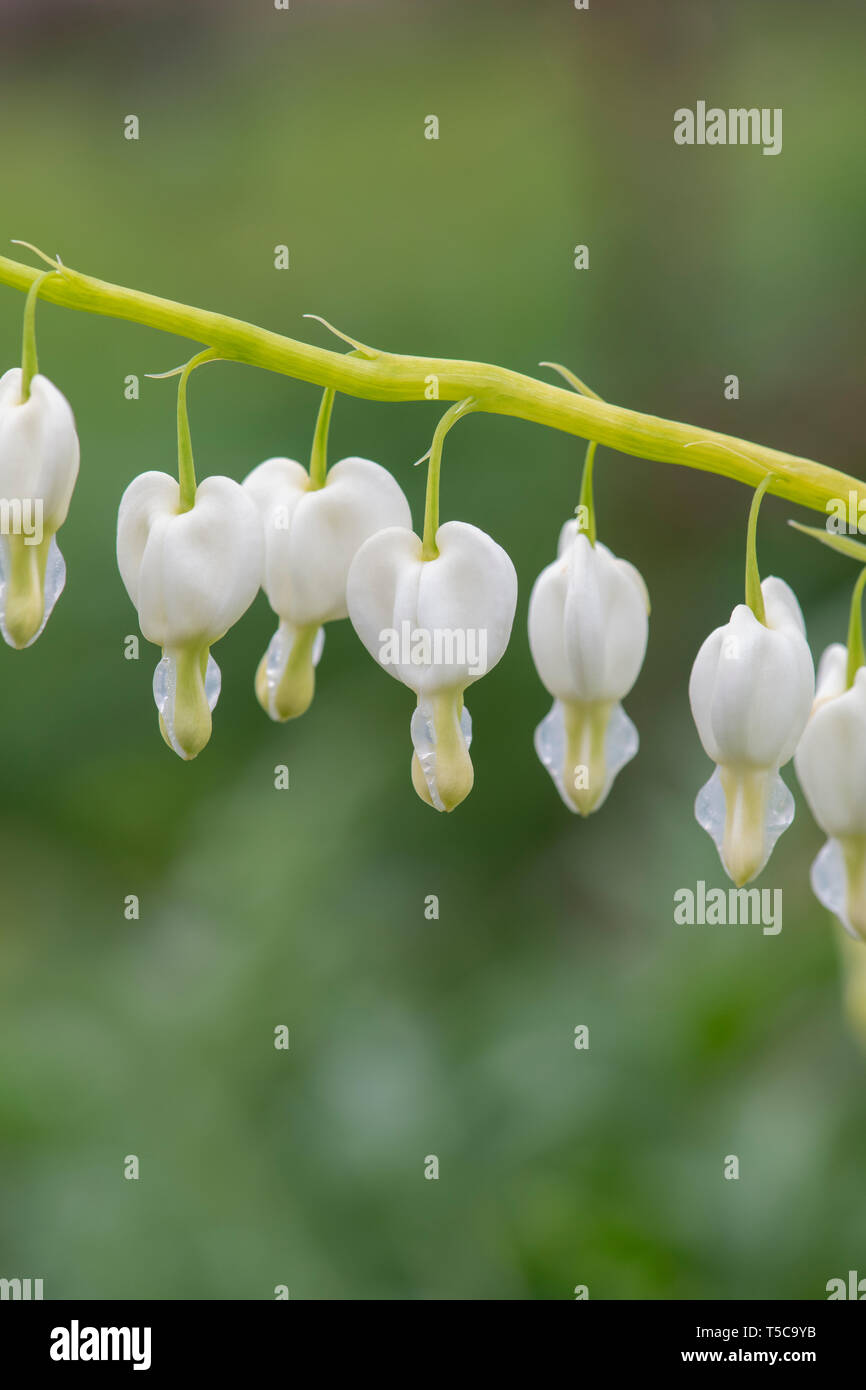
x: 781, y: 607
x: 588, y: 623
x: 831, y: 761
x: 832, y: 673
x: 39, y: 450
x: 307, y: 561
x: 471, y: 585
x: 751, y: 686
x: 191, y: 575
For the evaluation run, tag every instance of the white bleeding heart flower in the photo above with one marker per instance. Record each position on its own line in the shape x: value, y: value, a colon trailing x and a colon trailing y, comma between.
x: 437, y: 625
x: 831, y: 764
x: 751, y: 690
x: 191, y: 575
x: 588, y: 628
x: 39, y: 457
x: 311, y: 536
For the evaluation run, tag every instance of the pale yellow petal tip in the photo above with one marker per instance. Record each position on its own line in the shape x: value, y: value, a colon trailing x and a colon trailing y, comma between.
x: 286, y: 676
x: 24, y: 605
x: 584, y: 800
x: 186, y: 687
x: 742, y: 863
x: 451, y: 789
x: 190, y: 740
x: 23, y: 618
x: 442, y: 771
x: 290, y: 697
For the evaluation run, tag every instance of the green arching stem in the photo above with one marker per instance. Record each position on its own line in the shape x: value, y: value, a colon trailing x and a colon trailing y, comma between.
x: 431, y: 504
x: 754, y: 597
x: 587, y: 496
x: 388, y: 376
x: 185, y: 465
x: 319, y: 451
x: 29, y: 363
x: 856, y: 655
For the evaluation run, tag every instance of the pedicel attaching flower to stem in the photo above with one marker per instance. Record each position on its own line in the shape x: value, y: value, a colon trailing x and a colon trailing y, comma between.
x: 191, y: 559
x: 436, y: 613
x: 588, y: 629
x: 313, y: 525
x: 831, y: 761
x: 39, y: 457
x: 751, y: 690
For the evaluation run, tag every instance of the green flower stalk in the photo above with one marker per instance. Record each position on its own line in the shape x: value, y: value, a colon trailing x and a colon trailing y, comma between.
x: 386, y: 376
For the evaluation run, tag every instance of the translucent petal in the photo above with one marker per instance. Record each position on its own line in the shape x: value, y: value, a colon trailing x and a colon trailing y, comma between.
x: 277, y: 659
x: 829, y: 881
x: 621, y: 743
x: 711, y: 813
x: 423, y: 735
x: 55, y: 580
x: 165, y: 686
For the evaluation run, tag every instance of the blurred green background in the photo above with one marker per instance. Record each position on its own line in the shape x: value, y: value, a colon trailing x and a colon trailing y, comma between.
x: 306, y: 908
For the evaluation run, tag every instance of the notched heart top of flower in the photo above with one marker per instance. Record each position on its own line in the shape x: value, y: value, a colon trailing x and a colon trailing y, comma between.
x: 311, y: 535
x: 437, y: 625
x: 191, y: 575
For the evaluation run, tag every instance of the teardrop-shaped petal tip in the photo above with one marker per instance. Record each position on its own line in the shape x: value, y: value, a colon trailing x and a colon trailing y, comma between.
x: 32, y: 578
x: 291, y: 697
x: 584, y: 746
x: 454, y: 781
x: 744, y: 811
x: 191, y: 722
x: 584, y: 799
x: 286, y: 676
x: 742, y: 863
x: 441, y: 729
x: 190, y: 736
x: 22, y: 618
x: 186, y: 687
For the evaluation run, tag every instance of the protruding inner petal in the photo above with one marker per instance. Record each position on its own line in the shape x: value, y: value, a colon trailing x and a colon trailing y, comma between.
x: 186, y: 687
x: 839, y: 882
x: 31, y: 581
x: 744, y: 811
x: 285, y: 680
x: 584, y: 745
x: 441, y: 729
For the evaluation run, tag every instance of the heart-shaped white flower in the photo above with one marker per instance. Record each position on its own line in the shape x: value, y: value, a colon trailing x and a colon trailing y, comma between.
x: 751, y: 690
x: 39, y: 457
x: 436, y: 625
x: 588, y: 628
x: 311, y: 536
x: 191, y: 575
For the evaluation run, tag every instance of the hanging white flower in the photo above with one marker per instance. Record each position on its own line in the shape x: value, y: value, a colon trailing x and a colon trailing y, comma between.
x: 191, y: 575
x: 437, y: 625
x: 311, y: 535
x: 750, y: 690
x: 831, y: 765
x: 39, y: 457
x: 588, y: 628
